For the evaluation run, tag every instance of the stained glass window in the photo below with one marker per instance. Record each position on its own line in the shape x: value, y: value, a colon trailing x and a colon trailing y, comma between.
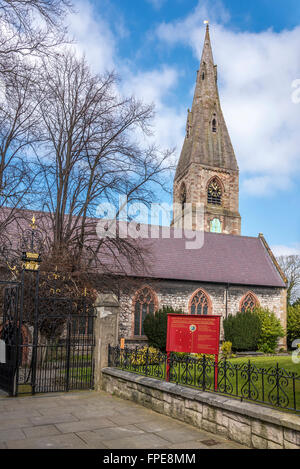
x: 215, y: 226
x: 249, y: 303
x: 200, y: 303
x: 214, y: 192
x: 144, y: 304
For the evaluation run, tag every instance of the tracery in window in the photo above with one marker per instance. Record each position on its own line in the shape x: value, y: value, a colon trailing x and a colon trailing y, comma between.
x: 145, y: 302
x: 249, y: 302
x: 200, y: 303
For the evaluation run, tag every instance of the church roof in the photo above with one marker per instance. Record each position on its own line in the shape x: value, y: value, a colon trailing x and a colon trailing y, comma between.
x: 201, y: 145
x: 218, y: 258
x: 223, y: 258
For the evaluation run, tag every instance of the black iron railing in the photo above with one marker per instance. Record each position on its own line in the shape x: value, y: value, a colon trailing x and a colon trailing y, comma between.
x: 272, y: 386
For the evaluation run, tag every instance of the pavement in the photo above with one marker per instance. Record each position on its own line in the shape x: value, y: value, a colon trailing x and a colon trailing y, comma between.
x: 95, y: 420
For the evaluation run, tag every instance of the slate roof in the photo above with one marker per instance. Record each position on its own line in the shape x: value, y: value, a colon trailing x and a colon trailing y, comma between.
x: 220, y: 258
x: 223, y: 258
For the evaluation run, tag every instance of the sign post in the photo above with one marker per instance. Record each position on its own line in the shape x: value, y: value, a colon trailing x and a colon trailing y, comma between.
x: 193, y: 334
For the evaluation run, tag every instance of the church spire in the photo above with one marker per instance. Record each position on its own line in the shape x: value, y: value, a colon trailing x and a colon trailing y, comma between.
x: 207, y: 170
x: 207, y: 140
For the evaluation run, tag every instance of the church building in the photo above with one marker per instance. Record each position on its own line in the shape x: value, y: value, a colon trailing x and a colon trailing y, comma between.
x: 230, y: 272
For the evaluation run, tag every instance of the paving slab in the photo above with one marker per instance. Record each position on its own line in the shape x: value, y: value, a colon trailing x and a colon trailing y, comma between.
x: 81, y: 425
x: 83, y: 414
x: 6, y: 435
x: 53, y: 419
x: 130, y: 418
x: 15, y: 414
x: 39, y: 432
x: 154, y: 425
x: 145, y: 441
x: 95, y: 439
x: 95, y: 420
x: 70, y: 441
x: 52, y: 412
x: 117, y: 432
x: 14, y: 423
x: 176, y: 436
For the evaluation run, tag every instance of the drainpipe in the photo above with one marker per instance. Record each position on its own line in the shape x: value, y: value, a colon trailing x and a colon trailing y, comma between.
x: 226, y: 300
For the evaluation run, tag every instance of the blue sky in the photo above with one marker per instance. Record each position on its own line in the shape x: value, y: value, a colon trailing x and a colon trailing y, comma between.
x: 155, y: 46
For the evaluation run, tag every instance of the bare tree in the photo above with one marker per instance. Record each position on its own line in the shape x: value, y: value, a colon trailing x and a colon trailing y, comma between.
x: 91, y: 154
x: 18, y: 134
x: 291, y: 268
x: 30, y: 27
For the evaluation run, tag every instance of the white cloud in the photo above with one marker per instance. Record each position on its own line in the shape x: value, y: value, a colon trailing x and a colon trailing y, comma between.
x: 281, y: 250
x: 157, y: 4
x: 153, y: 87
x: 256, y: 72
x: 95, y: 39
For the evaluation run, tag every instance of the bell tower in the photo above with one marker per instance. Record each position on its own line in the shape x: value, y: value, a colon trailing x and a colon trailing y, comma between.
x: 207, y: 170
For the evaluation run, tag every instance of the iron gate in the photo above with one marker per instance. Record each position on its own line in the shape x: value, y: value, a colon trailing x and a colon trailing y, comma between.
x: 58, y: 355
x: 10, y: 333
x: 49, y: 343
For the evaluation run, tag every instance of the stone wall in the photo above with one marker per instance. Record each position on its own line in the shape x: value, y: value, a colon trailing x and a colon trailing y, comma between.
x: 178, y: 294
x: 252, y: 425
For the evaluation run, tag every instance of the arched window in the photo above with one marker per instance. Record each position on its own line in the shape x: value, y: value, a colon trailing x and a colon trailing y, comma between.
x: 214, y: 125
x: 203, y: 75
x: 200, y: 303
x: 249, y: 302
x: 145, y: 302
x: 214, y: 192
x: 215, y: 226
x: 182, y: 195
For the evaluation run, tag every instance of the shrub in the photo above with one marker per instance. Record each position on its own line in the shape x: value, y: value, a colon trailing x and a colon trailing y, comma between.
x: 227, y: 350
x: 154, y: 356
x: 155, y: 327
x: 271, y: 330
x: 198, y: 356
x: 243, y: 330
x: 293, y: 323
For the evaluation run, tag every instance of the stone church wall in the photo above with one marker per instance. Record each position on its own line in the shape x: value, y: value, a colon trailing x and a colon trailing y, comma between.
x: 178, y: 294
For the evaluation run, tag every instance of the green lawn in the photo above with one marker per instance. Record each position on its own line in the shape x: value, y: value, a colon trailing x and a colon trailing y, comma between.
x: 280, y: 388
x: 269, y: 361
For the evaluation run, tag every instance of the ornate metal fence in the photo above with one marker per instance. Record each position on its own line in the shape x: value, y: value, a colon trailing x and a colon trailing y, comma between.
x: 272, y: 386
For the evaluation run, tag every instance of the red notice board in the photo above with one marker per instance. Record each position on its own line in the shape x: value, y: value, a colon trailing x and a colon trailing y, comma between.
x: 193, y: 334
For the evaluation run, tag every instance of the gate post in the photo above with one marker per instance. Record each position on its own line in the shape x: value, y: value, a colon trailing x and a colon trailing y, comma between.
x: 106, y: 332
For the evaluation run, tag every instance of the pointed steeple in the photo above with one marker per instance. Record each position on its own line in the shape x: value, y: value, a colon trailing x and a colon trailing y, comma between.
x: 207, y: 171
x: 207, y: 141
